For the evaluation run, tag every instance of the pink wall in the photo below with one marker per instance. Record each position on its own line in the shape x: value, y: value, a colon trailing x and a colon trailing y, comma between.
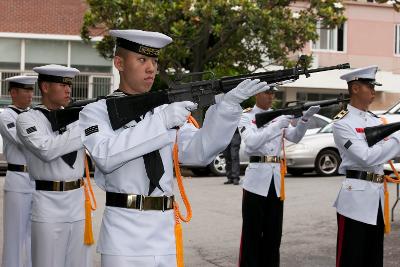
x: 369, y: 38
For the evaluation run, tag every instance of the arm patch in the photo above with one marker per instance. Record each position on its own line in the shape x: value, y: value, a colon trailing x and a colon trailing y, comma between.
x: 31, y: 130
x: 91, y: 130
x: 10, y: 125
x: 348, y: 144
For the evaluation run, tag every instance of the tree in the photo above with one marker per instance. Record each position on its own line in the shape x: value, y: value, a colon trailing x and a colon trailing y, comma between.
x: 227, y: 37
x: 394, y: 3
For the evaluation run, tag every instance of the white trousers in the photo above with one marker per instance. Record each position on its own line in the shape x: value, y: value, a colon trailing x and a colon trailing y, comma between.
x: 17, y: 229
x: 143, y: 261
x: 60, y: 245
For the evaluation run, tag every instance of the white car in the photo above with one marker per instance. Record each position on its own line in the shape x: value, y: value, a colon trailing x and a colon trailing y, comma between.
x: 217, y: 166
x: 316, y: 151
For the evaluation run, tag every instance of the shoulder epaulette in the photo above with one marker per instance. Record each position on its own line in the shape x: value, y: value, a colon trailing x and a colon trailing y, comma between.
x: 247, y: 110
x: 340, y: 115
x: 374, y: 115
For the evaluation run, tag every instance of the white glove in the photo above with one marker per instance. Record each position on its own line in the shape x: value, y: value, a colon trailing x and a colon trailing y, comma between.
x: 244, y: 90
x: 176, y: 114
x: 281, y: 122
x: 310, y: 112
x: 218, y: 98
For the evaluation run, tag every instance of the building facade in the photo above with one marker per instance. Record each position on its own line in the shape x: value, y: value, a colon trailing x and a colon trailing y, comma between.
x: 35, y: 33
x: 370, y: 36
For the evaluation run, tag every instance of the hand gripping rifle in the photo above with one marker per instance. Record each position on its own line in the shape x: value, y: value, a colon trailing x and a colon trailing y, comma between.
x: 122, y: 110
x: 297, y: 111
x: 377, y: 133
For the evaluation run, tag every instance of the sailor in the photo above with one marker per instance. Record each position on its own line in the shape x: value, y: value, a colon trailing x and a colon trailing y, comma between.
x: 134, y: 163
x: 18, y: 187
x: 56, y: 163
x: 360, y: 200
x: 263, y: 186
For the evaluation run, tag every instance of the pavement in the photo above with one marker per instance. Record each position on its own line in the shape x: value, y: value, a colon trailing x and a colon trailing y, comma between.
x: 309, y: 231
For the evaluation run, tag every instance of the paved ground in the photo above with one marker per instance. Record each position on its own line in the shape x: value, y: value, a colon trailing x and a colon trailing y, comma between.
x: 309, y: 231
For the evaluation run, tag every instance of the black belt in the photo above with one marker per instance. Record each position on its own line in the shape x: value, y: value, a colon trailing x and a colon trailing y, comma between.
x: 17, y: 168
x: 367, y: 176
x: 58, y: 185
x: 139, y: 202
x: 265, y: 159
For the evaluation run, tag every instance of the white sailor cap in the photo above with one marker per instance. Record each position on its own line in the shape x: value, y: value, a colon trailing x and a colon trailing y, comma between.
x: 56, y: 73
x: 272, y: 89
x: 21, y: 81
x: 142, y: 42
x: 366, y: 74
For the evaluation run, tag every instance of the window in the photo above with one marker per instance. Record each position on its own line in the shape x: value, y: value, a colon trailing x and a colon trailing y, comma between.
x: 330, y: 39
x: 85, y: 58
x: 42, y: 52
x: 397, y: 39
x: 10, y: 53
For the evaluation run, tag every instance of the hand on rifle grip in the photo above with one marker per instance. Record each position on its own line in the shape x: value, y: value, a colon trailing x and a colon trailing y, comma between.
x: 281, y: 122
x: 176, y: 114
x: 245, y: 90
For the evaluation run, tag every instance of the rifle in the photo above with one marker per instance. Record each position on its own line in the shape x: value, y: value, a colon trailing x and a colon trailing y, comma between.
x: 122, y: 110
x: 60, y: 118
x: 265, y: 117
x: 375, y: 134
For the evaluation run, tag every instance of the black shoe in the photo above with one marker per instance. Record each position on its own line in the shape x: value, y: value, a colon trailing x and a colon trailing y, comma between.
x: 229, y: 182
x: 236, y: 182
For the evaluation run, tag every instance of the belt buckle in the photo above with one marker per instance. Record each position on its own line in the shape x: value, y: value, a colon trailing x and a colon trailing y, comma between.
x: 25, y: 168
x: 58, y: 186
x: 131, y: 202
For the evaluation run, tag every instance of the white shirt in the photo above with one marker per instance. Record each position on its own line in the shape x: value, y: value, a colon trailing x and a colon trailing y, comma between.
x: 265, y: 141
x: 359, y: 199
x: 44, y: 149
x: 120, y: 168
x: 13, y: 152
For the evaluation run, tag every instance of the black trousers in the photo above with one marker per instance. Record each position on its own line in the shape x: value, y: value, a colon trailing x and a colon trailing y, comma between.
x: 261, y: 230
x: 231, y: 154
x: 359, y: 244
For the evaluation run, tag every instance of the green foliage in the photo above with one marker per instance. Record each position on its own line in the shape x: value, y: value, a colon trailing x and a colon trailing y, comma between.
x: 225, y: 36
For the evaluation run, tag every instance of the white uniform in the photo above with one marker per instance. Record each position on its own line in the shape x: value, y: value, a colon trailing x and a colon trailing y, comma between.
x: 120, y: 168
x: 359, y: 199
x: 57, y: 217
x: 258, y: 176
x: 18, y: 189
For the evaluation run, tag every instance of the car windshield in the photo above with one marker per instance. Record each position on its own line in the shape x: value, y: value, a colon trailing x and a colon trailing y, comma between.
x: 326, y: 129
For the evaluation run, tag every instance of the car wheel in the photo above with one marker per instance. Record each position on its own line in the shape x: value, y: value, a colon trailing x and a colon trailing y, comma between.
x: 296, y: 172
x: 327, y: 162
x: 217, y: 166
x: 200, y: 171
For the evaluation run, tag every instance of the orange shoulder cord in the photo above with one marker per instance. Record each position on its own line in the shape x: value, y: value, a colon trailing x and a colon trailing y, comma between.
x: 386, y: 191
x: 178, y: 216
x: 88, y: 233
x: 283, y: 169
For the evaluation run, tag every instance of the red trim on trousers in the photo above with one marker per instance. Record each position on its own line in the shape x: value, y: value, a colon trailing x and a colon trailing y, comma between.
x: 341, y: 222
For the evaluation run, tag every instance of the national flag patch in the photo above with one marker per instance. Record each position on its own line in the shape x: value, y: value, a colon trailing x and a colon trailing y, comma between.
x: 359, y: 130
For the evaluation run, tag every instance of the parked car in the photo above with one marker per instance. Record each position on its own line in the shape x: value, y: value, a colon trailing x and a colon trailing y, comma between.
x: 316, y: 151
x: 217, y: 166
